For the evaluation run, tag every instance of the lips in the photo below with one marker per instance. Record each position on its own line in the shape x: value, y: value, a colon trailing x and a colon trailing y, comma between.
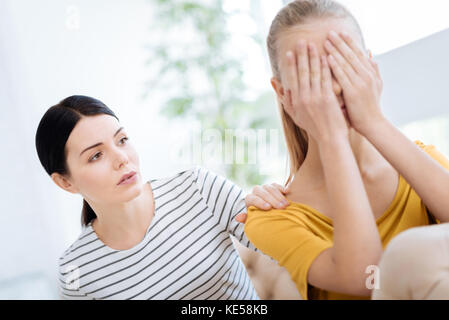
x: 126, y: 176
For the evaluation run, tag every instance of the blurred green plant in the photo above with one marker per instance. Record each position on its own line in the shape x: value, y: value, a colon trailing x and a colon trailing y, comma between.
x: 202, y: 75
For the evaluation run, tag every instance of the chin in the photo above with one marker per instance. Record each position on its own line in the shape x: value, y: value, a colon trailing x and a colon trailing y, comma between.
x: 130, y: 191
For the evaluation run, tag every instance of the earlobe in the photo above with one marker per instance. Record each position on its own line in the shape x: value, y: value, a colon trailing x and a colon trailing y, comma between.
x: 63, y: 183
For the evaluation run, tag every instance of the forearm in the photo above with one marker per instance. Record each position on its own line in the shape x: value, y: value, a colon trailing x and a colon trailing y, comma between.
x: 356, y: 239
x: 426, y: 176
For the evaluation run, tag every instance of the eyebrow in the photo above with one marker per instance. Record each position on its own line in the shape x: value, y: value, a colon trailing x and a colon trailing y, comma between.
x: 100, y: 143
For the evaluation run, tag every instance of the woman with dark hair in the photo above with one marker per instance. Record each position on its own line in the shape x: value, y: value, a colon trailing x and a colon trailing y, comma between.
x: 160, y: 239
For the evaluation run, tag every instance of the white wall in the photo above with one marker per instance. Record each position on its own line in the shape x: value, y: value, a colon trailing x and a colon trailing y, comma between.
x: 45, y: 57
x: 416, y: 79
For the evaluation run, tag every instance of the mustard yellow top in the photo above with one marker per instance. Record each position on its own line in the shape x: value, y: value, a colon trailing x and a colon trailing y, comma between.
x: 295, y: 236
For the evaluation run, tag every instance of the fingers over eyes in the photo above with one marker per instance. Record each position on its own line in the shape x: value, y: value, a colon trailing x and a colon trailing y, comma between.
x: 326, y: 77
x: 291, y: 79
x: 315, y: 68
x: 303, y: 69
x: 358, y: 51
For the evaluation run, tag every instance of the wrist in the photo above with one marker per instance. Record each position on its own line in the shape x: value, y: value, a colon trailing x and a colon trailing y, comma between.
x: 373, y: 126
x: 335, y: 141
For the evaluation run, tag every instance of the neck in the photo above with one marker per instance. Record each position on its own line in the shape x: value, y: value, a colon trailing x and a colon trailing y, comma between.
x: 311, y: 171
x: 126, y: 220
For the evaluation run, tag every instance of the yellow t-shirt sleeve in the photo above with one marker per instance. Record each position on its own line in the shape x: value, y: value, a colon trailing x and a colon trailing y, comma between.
x: 281, y: 235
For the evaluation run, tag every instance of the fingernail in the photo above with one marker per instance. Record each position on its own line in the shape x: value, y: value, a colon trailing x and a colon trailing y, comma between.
x: 266, y: 205
x: 333, y: 33
x: 285, y: 203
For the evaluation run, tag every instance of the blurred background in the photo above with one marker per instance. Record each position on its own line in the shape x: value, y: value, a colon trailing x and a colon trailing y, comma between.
x: 190, y: 82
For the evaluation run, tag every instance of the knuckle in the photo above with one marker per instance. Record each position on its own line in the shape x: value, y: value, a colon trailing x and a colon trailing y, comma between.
x: 266, y: 187
x: 255, y: 189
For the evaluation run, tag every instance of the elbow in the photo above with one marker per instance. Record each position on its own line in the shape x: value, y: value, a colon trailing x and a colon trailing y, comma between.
x: 356, y: 286
x: 360, y: 281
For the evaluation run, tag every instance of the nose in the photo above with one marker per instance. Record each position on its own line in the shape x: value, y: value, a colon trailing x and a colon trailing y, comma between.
x: 120, y: 159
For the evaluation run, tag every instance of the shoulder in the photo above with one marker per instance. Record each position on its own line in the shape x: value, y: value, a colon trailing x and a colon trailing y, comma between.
x: 208, y: 179
x: 434, y: 153
x: 259, y: 220
x: 202, y: 174
x: 173, y: 178
x: 195, y: 176
x: 86, y: 238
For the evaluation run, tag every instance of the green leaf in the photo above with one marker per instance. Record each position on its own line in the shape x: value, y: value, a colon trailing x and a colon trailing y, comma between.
x: 177, y: 107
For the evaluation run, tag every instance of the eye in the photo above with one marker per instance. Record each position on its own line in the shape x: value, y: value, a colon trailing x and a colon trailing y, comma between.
x: 95, y: 157
x: 124, y: 139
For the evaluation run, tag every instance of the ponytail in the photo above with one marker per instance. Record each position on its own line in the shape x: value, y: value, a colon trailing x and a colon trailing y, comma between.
x: 87, y: 214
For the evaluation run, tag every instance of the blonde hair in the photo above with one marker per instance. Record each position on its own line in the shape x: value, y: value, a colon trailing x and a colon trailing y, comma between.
x: 297, y: 13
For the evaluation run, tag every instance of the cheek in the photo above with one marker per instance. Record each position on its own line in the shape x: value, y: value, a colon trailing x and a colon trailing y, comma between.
x: 133, y: 156
x: 95, y: 179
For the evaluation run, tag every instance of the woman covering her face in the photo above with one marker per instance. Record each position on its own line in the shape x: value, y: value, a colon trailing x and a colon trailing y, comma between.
x: 356, y: 181
x: 159, y: 239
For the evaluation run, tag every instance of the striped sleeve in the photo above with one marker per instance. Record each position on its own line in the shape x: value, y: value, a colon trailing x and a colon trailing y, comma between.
x: 226, y: 200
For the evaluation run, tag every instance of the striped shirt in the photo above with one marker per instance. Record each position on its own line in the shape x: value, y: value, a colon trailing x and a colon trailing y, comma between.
x: 187, y: 251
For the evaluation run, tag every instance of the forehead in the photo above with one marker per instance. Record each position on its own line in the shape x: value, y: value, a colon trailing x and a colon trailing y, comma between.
x: 90, y: 130
x: 315, y: 31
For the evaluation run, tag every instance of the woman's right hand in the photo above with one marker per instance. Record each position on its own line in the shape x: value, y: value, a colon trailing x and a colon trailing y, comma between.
x: 309, y: 98
x: 265, y: 197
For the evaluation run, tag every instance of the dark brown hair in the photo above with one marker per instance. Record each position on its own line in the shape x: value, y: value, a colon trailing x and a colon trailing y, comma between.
x: 53, y: 131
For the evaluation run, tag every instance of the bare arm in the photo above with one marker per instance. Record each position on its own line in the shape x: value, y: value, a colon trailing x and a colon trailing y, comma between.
x: 362, y: 97
x: 356, y: 239
x: 426, y: 176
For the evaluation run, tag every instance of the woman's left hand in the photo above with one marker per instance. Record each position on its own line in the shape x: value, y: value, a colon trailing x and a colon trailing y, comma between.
x: 359, y: 78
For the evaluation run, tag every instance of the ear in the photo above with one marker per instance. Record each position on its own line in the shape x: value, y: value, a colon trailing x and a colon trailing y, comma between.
x: 278, y: 88
x: 62, y: 182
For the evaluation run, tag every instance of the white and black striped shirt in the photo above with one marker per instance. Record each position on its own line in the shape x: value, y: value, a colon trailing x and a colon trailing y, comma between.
x: 187, y: 252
